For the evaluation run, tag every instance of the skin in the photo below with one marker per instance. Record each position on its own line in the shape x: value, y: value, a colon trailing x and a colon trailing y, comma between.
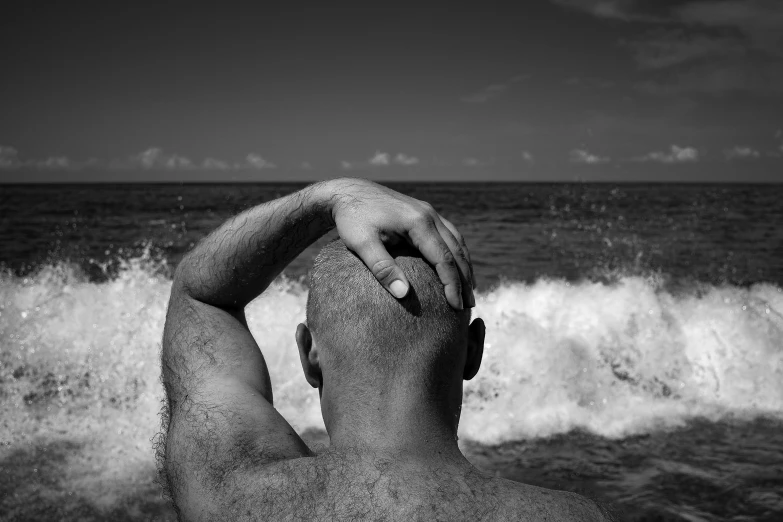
x: 393, y: 453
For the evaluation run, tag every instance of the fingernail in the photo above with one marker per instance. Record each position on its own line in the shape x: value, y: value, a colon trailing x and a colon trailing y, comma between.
x: 399, y: 289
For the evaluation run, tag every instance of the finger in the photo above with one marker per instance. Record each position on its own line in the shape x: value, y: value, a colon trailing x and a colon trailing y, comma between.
x: 462, y: 261
x: 426, y: 237
x: 374, y: 255
x: 457, y: 235
x: 462, y: 242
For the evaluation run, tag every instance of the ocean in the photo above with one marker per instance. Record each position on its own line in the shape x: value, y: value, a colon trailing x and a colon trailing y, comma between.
x: 634, y: 349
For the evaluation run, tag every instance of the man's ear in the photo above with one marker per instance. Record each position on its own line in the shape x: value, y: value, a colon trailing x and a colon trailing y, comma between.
x: 308, y: 356
x: 476, y: 332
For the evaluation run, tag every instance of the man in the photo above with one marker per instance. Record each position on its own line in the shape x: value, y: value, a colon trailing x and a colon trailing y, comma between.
x: 387, y: 344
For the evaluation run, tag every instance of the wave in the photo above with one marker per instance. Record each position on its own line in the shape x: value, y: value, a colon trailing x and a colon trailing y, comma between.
x: 615, y: 359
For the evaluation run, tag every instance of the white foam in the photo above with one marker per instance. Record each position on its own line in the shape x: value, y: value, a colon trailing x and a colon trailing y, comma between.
x: 610, y: 359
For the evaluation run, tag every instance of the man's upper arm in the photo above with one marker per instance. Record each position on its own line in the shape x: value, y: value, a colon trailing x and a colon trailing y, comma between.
x: 221, y: 418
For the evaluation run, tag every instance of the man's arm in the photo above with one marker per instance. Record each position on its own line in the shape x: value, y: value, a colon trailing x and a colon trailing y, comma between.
x: 221, y: 418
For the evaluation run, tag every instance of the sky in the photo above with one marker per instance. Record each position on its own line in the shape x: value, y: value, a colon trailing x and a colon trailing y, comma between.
x: 542, y: 90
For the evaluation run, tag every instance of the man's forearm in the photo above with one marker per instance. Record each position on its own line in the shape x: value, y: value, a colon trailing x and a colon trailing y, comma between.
x: 216, y: 379
x: 236, y: 262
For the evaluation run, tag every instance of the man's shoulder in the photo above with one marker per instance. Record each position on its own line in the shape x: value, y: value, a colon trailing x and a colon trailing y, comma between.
x: 308, y: 486
x: 559, y: 505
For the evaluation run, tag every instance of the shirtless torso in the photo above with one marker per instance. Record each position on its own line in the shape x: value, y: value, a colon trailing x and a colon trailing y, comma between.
x: 228, y: 454
x: 337, y: 487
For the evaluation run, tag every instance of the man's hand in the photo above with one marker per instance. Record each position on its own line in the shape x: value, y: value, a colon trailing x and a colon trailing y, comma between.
x: 370, y: 217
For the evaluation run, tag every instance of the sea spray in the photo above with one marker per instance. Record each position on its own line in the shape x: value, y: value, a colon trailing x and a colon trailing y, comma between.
x: 622, y: 359
x: 79, y: 377
x: 613, y: 359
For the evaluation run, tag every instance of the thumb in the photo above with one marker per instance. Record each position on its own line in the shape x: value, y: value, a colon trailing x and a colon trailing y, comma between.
x: 374, y: 255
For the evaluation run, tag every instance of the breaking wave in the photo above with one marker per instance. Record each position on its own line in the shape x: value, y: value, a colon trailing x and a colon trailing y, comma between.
x: 614, y: 359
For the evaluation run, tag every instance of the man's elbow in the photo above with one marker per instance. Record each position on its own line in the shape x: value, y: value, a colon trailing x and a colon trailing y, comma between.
x: 182, y: 280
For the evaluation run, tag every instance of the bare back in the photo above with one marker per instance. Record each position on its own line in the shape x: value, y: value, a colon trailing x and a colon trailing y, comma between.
x: 341, y: 487
x: 228, y: 454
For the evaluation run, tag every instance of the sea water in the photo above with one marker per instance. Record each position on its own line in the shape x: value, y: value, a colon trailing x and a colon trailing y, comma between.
x: 633, y: 330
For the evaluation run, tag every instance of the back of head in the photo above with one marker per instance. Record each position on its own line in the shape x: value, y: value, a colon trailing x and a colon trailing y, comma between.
x: 365, y: 331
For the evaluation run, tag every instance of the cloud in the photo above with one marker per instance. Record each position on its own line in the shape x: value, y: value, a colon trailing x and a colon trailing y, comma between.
x: 55, y: 162
x: 583, y: 156
x: 719, y: 78
x: 384, y: 159
x: 494, y: 90
x: 346, y: 165
x: 9, y: 157
x: 486, y: 94
x: 379, y: 159
x: 528, y: 157
x: 713, y: 47
x: 675, y: 154
x: 255, y: 161
x: 155, y: 158
x: 404, y: 159
x: 759, y: 20
x: 305, y: 165
x: 215, y: 164
x: 589, y: 83
x: 683, y: 62
x: 741, y: 152
x: 471, y: 161
x: 661, y: 49
x: 628, y: 10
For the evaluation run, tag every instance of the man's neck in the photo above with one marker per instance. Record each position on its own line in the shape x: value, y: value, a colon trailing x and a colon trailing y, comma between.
x: 400, y: 426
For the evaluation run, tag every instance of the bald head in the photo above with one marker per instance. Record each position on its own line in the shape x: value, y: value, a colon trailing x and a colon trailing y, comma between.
x: 360, y: 327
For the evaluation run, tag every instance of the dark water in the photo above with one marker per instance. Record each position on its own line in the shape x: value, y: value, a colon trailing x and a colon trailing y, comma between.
x: 634, y: 348
x: 708, y: 233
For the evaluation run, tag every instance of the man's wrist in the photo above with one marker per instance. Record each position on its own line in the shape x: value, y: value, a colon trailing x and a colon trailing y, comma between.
x: 326, y: 196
